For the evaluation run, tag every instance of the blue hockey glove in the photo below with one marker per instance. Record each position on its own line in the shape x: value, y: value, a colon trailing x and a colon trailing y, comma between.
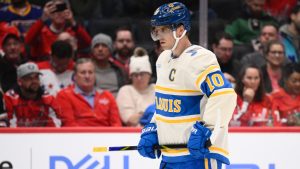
x: 147, y: 142
x: 196, y: 144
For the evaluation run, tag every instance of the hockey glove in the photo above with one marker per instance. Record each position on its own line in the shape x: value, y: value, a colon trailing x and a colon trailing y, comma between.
x: 147, y: 142
x: 196, y: 144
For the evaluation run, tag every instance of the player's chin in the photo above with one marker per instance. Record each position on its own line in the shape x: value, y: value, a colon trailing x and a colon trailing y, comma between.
x: 164, y: 46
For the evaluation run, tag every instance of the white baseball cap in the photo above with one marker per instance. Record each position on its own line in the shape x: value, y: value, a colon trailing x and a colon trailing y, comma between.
x: 27, y: 68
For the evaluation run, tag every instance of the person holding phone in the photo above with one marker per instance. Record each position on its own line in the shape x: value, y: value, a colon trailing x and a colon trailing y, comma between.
x: 41, y: 35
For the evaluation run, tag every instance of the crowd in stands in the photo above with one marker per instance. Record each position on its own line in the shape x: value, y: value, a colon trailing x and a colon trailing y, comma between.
x: 57, y: 69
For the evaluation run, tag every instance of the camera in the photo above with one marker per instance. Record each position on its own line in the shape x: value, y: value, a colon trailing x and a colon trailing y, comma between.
x: 60, y: 7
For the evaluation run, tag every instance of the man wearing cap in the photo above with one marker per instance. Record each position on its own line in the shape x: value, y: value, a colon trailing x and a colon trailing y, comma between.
x: 108, y: 75
x: 27, y: 104
x: 12, y: 47
x: 133, y: 99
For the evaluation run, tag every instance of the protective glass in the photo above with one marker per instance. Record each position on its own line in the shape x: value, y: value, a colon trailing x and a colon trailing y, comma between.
x: 161, y: 31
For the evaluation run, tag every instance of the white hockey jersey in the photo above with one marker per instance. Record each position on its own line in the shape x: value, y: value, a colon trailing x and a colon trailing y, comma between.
x: 191, y: 88
x: 53, y: 82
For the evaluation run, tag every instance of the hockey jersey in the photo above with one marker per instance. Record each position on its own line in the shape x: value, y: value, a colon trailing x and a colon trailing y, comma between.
x: 191, y: 88
x: 53, y: 82
x: 31, y: 112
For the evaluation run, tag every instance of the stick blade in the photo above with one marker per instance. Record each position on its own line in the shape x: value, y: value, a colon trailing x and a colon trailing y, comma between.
x: 100, y: 149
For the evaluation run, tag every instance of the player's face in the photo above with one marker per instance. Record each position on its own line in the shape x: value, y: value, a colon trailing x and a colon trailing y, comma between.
x: 224, y: 50
x: 101, y: 52
x: 164, y: 35
x: 140, y: 80
x: 293, y: 83
x: 275, y: 56
x: 30, y: 83
x: 85, y: 76
x: 251, y: 78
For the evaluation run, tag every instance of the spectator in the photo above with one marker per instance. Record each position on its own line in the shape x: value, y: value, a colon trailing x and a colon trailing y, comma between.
x: 272, y: 70
x: 247, y: 27
x: 58, y: 72
x: 124, y: 45
x: 28, y: 105
x: 12, y: 47
x: 5, y: 29
x: 290, y: 33
x: 253, y: 105
x: 21, y: 14
x: 72, y: 40
x: 108, y: 76
x: 222, y: 46
x: 133, y: 99
x: 269, y: 32
x: 41, y: 36
x: 287, y: 99
x: 84, y: 105
x: 67, y: 37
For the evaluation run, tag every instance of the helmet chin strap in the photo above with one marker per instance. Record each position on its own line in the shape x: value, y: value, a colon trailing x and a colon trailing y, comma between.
x: 177, y: 39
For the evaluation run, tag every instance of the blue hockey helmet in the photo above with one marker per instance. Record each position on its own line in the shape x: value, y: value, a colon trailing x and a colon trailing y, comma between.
x: 172, y: 14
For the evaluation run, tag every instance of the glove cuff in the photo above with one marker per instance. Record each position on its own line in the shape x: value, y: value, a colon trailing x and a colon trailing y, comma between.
x: 149, y: 128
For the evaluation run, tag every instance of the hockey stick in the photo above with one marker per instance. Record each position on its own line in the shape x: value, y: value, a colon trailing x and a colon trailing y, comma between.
x: 208, y: 143
x: 126, y: 148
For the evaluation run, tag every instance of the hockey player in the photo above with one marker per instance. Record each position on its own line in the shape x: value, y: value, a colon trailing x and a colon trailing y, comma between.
x: 194, y: 101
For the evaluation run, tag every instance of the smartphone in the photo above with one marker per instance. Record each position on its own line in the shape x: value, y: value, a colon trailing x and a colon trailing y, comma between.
x: 60, y: 7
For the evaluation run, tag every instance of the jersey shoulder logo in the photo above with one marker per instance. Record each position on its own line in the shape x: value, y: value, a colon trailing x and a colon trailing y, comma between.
x: 193, y: 51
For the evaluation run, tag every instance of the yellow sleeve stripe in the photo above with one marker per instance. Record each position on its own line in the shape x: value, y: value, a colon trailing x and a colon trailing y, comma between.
x: 205, y: 73
x: 185, y: 150
x: 175, y: 90
x: 217, y: 149
x: 187, y: 120
x: 222, y: 93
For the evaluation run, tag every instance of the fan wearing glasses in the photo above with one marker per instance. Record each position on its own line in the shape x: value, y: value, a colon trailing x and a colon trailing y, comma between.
x: 272, y: 71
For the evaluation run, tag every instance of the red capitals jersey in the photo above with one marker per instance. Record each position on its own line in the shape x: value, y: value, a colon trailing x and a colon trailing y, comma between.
x: 254, y: 113
x: 285, y: 103
x: 30, y: 113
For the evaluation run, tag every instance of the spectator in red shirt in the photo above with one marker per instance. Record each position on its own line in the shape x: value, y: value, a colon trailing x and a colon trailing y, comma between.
x: 84, y: 105
x: 253, y: 105
x: 6, y: 29
x: 287, y: 99
x: 41, y: 36
x: 28, y: 105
